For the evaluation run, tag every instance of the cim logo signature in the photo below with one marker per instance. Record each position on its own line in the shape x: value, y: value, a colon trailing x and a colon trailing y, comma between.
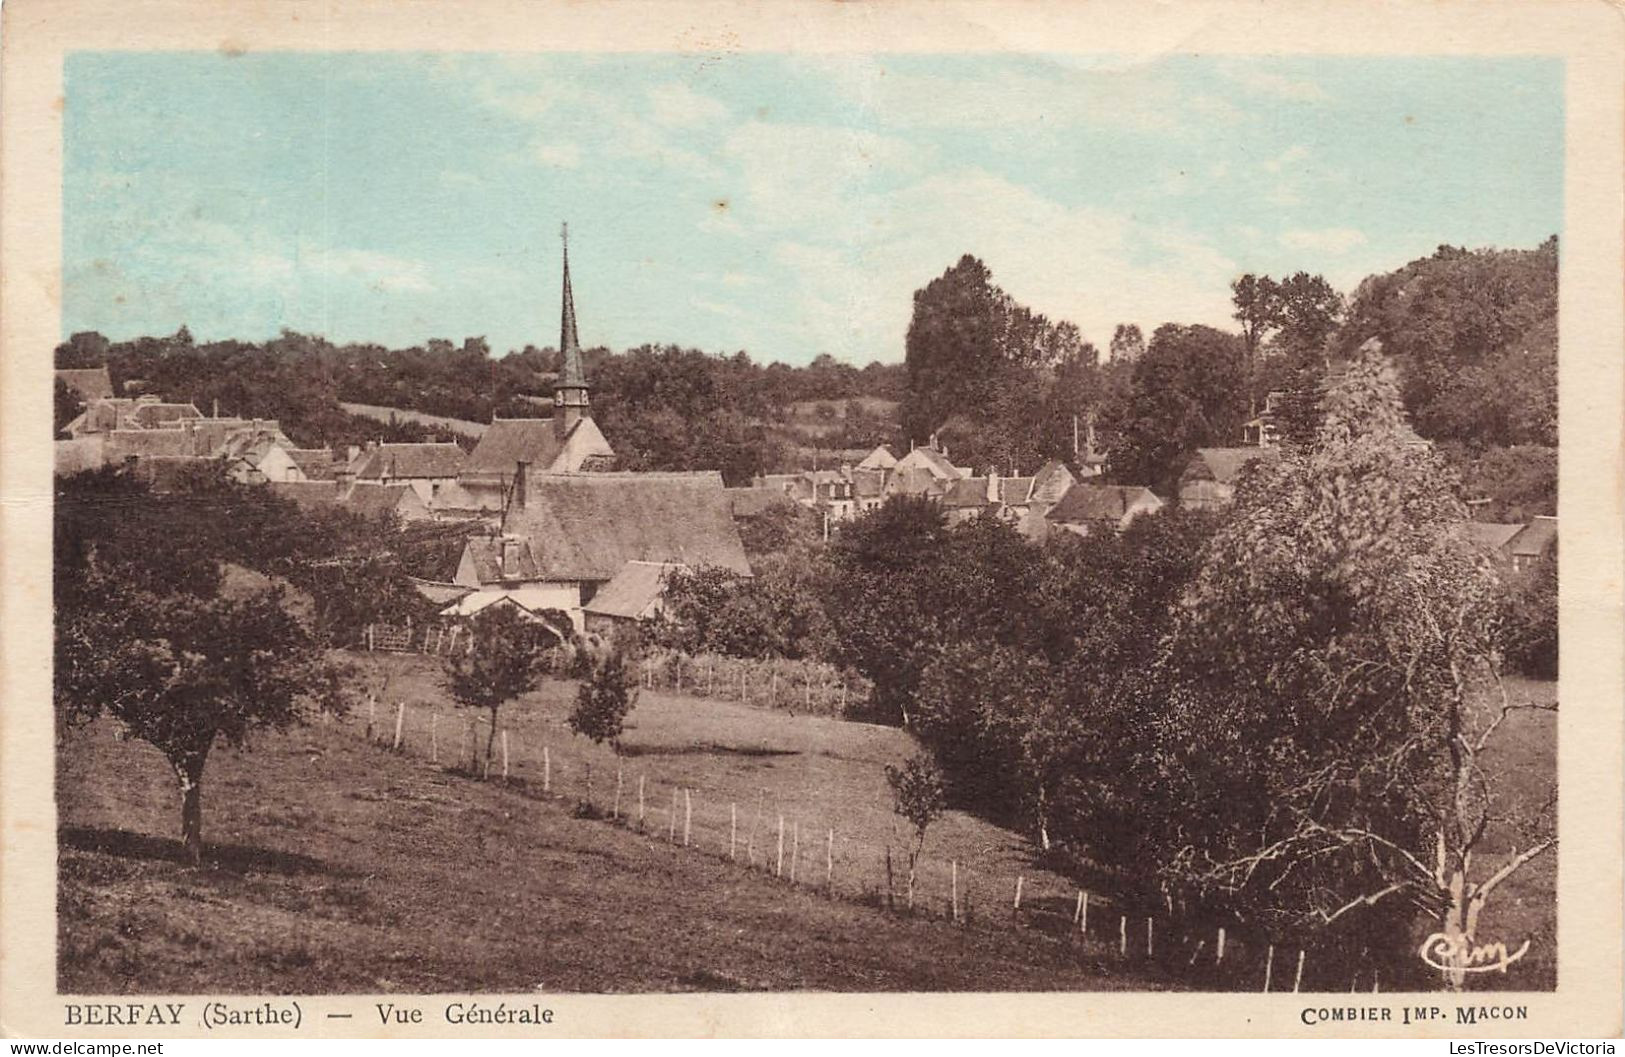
x: 1442, y: 952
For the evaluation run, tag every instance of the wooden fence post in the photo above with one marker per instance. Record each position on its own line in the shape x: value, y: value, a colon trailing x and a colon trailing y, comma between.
x: 953, y: 904
x: 400, y: 723
x: 843, y: 696
x: 795, y: 849
x: 504, y: 754
x: 473, y: 744
x: 750, y: 839
x: 434, y: 736
x: 1122, y: 936
x: 829, y: 863
x: 671, y: 832
x: 1219, y: 948
x: 1148, y: 936
x: 1015, y: 907
x: 1077, y: 911
x: 733, y: 828
x: 1269, y: 968
x: 615, y: 812
x: 641, y: 809
x: 1083, y: 918
x: 547, y: 771
x: 1298, y: 979
x: 372, y: 716
x: 688, y: 814
x: 778, y: 867
x: 773, y: 690
x: 891, y: 888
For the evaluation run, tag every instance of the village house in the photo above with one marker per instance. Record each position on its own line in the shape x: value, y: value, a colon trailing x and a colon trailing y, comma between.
x: 879, y: 459
x: 568, y: 535
x: 1088, y: 508
x: 1537, y: 543
x: 89, y: 384
x: 366, y: 498
x: 427, y: 467
x: 933, y: 460
x: 635, y: 595
x: 1209, y: 479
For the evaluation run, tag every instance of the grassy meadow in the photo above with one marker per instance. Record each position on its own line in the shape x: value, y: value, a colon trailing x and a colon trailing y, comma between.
x: 365, y: 869
x: 339, y: 866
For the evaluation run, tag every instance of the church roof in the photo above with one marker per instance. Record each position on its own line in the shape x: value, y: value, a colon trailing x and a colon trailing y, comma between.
x: 587, y: 526
x: 510, y: 441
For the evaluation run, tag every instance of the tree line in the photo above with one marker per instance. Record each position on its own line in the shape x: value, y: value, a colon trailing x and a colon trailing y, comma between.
x: 1282, y: 717
x: 1472, y: 335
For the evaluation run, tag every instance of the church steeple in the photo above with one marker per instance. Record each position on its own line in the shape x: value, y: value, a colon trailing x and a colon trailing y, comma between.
x: 570, y: 391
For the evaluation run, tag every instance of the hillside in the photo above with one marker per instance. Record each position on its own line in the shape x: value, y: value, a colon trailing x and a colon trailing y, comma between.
x: 340, y: 867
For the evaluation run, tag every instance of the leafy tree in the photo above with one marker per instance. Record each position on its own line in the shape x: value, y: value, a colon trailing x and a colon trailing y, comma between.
x: 1257, y: 300
x: 1505, y: 484
x: 501, y: 662
x: 778, y: 612
x: 1335, y: 692
x: 903, y: 588
x: 182, y: 672
x: 605, y: 698
x: 1309, y: 312
x: 1128, y: 343
x: 1529, y: 622
x: 1188, y: 391
x: 980, y: 368
x: 917, y: 795
x: 149, y: 631
x: 66, y: 406
x: 1475, y: 337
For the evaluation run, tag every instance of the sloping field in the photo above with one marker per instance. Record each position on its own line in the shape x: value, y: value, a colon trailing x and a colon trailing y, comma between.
x: 340, y: 867
x: 737, y: 769
x: 459, y: 426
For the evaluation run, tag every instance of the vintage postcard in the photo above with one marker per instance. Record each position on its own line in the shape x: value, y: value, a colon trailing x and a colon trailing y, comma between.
x: 586, y: 518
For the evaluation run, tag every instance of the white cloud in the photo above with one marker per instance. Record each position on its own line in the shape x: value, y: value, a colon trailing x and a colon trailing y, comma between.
x: 1069, y: 93
x: 559, y: 154
x: 1323, y: 240
x: 1287, y: 159
x: 1095, y: 267
x: 676, y: 105
x: 380, y: 271
x: 812, y: 176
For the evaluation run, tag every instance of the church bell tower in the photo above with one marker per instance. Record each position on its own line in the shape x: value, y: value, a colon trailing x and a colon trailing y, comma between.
x: 570, y: 391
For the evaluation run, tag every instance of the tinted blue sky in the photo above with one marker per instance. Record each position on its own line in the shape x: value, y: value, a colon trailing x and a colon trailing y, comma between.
x: 783, y: 205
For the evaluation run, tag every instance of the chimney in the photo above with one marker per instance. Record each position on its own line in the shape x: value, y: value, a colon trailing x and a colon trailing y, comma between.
x: 521, y: 484
x: 351, y: 453
x: 992, y: 484
x: 510, y: 558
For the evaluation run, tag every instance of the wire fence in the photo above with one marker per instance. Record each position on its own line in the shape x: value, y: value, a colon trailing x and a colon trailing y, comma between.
x: 809, y: 686
x: 777, y: 837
